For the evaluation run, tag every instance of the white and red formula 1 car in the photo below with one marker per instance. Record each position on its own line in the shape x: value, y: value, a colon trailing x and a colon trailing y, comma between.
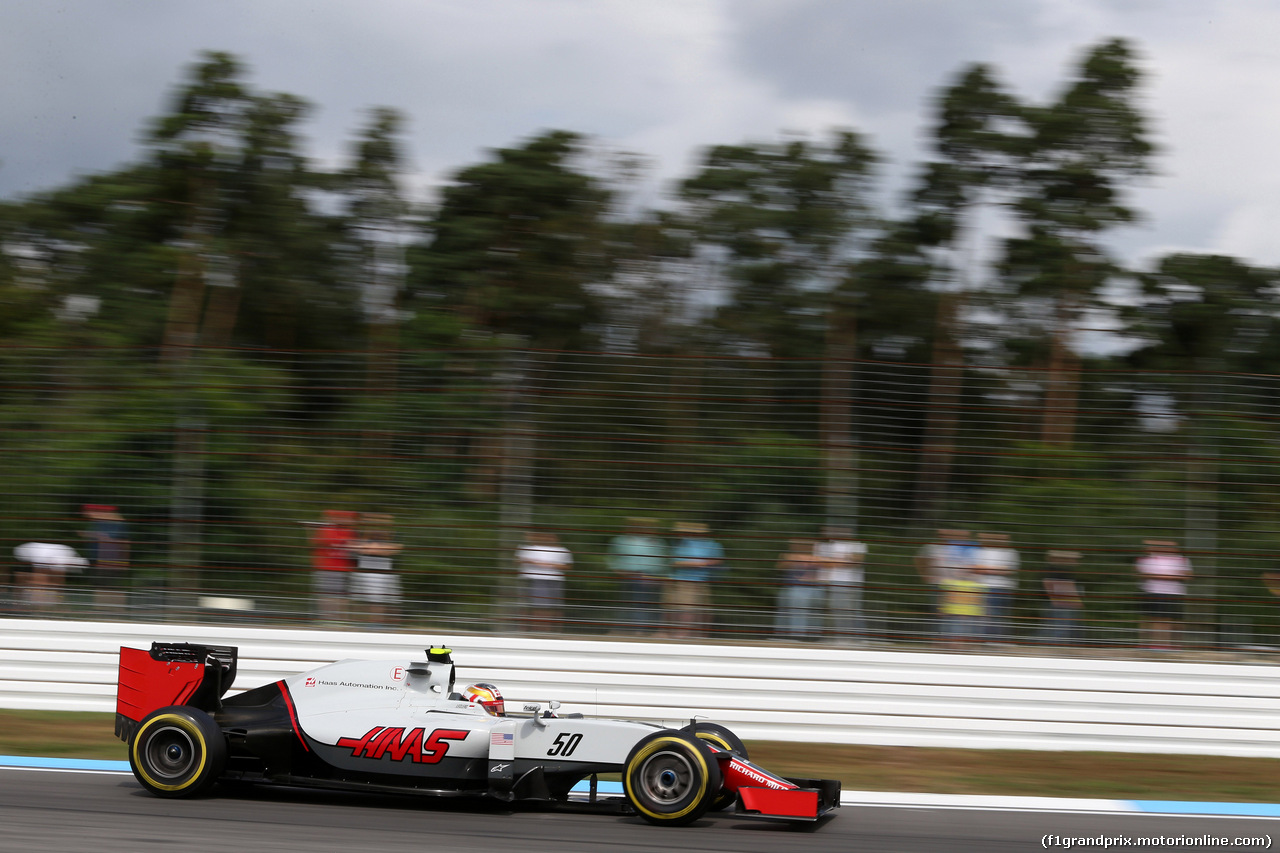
x: 400, y: 727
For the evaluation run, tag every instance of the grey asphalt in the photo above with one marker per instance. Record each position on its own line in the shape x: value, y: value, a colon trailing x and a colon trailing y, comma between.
x: 59, y: 812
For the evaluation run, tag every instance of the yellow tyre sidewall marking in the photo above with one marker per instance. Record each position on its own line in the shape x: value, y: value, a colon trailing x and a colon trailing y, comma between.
x: 717, y: 740
x: 652, y: 747
x: 197, y: 738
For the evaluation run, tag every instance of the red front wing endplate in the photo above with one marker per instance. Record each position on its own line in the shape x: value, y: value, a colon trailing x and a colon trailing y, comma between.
x: 766, y: 795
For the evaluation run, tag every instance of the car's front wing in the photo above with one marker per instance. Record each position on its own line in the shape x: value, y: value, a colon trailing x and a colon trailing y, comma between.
x: 762, y: 794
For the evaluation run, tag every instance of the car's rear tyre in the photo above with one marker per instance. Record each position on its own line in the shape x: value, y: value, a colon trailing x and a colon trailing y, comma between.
x: 722, y: 738
x: 671, y: 778
x: 178, y: 751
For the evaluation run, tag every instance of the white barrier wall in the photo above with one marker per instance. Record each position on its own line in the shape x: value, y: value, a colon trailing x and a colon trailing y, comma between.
x: 796, y: 693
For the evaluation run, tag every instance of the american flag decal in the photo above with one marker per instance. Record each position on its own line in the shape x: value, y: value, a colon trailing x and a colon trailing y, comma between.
x: 501, y: 739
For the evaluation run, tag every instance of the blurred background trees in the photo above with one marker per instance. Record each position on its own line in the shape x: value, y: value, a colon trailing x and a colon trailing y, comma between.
x: 182, y: 331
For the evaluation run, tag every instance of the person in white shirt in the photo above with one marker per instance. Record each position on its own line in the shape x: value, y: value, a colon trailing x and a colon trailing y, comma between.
x: 1164, y: 573
x: 542, y: 562
x: 842, y: 577
x: 50, y: 562
x: 997, y: 571
x: 375, y: 586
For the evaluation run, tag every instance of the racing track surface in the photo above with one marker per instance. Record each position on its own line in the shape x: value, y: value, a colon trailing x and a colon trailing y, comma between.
x: 61, y: 812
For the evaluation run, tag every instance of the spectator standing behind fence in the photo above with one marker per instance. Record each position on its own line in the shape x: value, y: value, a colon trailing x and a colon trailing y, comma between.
x: 333, y: 561
x: 108, y: 556
x: 997, y: 564
x: 695, y: 559
x: 375, y: 586
x: 940, y: 560
x: 41, y: 588
x: 639, y: 557
x: 1164, y: 573
x: 962, y: 611
x: 1062, y: 597
x: 800, y: 593
x: 842, y: 559
x: 542, y: 563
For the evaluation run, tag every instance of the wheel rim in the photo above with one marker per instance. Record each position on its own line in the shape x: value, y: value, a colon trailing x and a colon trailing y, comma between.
x: 666, y: 778
x: 171, y: 753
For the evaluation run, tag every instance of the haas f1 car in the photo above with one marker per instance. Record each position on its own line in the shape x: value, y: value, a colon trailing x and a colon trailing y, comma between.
x: 400, y: 727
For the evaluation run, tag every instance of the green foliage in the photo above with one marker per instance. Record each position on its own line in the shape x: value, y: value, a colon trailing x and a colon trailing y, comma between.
x: 1074, y: 159
x: 975, y: 138
x: 1206, y: 311
x: 785, y: 216
x: 213, y: 239
x: 516, y: 241
x: 227, y: 319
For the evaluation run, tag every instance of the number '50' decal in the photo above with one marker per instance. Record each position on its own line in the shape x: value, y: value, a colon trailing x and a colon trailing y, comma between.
x: 565, y: 744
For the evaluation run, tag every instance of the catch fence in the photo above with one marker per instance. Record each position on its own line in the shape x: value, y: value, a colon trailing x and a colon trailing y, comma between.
x: 223, y: 462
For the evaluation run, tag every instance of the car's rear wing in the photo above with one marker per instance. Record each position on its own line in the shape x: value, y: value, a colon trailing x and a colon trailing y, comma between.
x: 171, y: 674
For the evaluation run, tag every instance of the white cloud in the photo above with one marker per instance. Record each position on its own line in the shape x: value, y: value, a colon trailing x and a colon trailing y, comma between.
x: 1212, y: 90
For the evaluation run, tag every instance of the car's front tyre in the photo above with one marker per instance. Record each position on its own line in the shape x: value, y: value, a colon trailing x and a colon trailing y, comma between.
x: 726, y: 740
x: 671, y: 778
x: 178, y: 751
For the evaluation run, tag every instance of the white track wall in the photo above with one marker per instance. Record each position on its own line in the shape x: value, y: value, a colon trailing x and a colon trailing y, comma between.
x: 795, y: 693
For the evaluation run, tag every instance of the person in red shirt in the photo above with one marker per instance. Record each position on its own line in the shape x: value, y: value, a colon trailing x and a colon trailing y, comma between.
x: 333, y: 559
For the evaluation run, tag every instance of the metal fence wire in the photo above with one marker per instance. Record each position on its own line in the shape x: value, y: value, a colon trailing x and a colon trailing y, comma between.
x: 220, y: 467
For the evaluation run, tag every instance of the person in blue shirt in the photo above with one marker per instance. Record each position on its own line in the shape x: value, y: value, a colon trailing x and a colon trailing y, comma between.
x: 639, y: 557
x: 108, y: 556
x: 695, y: 560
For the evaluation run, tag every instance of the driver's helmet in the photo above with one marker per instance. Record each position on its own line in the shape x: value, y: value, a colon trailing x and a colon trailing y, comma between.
x: 488, y: 697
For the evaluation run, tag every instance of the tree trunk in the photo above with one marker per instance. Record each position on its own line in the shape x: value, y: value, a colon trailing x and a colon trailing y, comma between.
x: 946, y: 383
x: 839, y: 460
x: 1062, y: 385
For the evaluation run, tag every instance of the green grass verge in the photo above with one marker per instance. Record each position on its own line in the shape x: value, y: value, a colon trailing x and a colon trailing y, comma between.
x: 1109, y: 775
x: 59, y: 734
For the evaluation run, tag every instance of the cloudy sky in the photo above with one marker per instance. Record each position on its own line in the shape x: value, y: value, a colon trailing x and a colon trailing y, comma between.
x: 660, y: 78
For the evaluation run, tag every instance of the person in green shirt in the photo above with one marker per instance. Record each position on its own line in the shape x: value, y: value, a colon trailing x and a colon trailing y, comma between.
x: 640, y: 558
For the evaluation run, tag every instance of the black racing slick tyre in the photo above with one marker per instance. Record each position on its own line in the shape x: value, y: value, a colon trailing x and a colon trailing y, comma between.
x: 671, y: 778
x: 722, y: 738
x: 178, y: 752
